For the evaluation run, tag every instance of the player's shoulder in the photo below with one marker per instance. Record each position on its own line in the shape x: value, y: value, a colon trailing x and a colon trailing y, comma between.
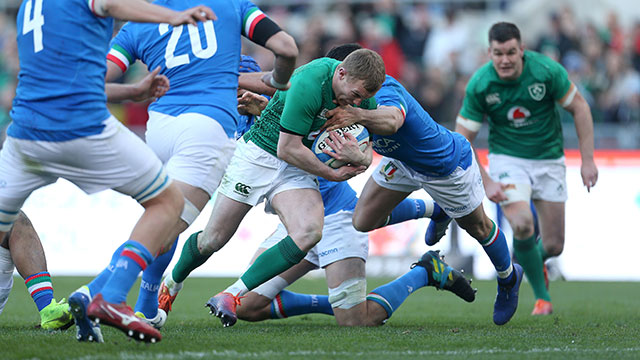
x: 541, y: 65
x: 481, y: 78
x: 317, y: 69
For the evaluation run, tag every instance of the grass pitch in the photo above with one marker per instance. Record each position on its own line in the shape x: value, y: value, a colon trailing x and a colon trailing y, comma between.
x: 591, y: 321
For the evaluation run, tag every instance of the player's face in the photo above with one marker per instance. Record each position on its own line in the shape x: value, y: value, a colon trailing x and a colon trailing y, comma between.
x: 349, y: 91
x: 507, y: 58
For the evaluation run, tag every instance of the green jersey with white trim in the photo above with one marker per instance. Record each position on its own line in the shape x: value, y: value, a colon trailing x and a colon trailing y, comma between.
x: 524, y: 120
x: 301, y: 109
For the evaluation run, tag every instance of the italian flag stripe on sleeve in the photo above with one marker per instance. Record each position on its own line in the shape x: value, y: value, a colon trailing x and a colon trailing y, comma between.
x: 120, y: 57
x: 251, y: 19
x: 404, y: 111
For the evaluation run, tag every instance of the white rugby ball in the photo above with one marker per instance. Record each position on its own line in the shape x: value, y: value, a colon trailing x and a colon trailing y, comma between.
x: 358, y: 131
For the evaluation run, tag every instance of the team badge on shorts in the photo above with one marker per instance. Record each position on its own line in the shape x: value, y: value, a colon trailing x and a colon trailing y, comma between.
x: 388, y: 170
x: 537, y: 91
x: 242, y: 189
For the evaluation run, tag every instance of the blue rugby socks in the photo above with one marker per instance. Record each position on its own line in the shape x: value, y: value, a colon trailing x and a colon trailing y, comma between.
x: 288, y: 303
x: 133, y: 259
x: 147, y: 302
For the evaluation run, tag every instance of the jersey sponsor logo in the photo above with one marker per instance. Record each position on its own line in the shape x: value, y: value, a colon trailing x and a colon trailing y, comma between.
x: 242, y: 189
x: 492, y: 99
x: 384, y: 146
x: 388, y: 171
x: 537, y: 91
x: 519, y: 115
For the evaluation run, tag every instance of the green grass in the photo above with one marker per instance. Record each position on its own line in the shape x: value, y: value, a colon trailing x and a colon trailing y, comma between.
x: 591, y: 321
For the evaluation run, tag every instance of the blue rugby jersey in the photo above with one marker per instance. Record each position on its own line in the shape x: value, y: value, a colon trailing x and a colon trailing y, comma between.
x: 60, y: 93
x: 200, y: 61
x: 337, y: 196
x: 420, y: 143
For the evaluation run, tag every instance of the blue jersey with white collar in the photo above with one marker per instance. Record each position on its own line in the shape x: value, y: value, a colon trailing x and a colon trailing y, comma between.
x: 60, y: 94
x: 200, y: 61
x: 421, y: 143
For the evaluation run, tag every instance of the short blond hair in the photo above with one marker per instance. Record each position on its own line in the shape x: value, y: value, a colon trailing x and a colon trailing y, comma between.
x: 367, y: 65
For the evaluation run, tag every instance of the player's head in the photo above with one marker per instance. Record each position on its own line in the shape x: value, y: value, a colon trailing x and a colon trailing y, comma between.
x: 248, y: 64
x: 506, y: 50
x: 358, y: 77
x: 342, y: 51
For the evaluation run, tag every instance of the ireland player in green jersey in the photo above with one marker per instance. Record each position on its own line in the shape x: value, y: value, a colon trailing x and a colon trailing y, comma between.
x: 273, y: 162
x: 518, y: 91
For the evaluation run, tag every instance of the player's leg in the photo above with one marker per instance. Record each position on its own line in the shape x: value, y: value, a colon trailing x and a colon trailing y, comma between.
x: 298, y: 203
x: 430, y: 270
x: 271, y: 301
x: 460, y: 194
x: 551, y: 217
x: 525, y: 249
x: 196, y: 151
x: 16, y: 231
x: 375, y: 205
x: 30, y: 261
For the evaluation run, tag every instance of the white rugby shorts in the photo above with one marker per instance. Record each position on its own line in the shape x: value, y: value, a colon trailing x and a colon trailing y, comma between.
x: 194, y: 148
x: 254, y: 175
x: 116, y: 159
x: 546, y: 178
x: 340, y: 240
x: 458, y: 193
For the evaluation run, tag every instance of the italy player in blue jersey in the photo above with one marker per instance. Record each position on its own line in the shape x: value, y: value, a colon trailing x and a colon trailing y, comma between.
x: 192, y: 128
x: 342, y: 252
x: 61, y: 128
x: 421, y: 154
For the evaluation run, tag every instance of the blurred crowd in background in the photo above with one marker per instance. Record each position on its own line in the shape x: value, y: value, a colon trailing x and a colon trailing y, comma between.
x: 433, y: 48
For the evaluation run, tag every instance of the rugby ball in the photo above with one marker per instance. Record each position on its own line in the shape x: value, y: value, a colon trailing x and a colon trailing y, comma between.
x: 320, y: 143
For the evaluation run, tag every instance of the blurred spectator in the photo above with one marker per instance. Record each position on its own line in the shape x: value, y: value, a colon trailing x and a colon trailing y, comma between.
x: 432, y: 47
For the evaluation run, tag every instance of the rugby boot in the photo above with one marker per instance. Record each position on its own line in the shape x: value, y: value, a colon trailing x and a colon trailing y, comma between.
x: 506, y: 302
x: 223, y: 305
x: 444, y: 277
x: 122, y: 317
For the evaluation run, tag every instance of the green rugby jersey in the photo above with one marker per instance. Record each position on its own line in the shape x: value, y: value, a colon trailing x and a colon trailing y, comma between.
x: 522, y: 114
x: 301, y: 109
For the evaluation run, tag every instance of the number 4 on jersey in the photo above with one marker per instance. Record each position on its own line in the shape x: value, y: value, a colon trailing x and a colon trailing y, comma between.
x: 34, y: 23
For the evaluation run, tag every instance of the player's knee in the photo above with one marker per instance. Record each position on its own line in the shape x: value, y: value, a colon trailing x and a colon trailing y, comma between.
x: 522, y: 228
x: 360, y: 224
x: 307, y: 237
x: 348, y: 294
x: 210, y: 242
x: 555, y: 248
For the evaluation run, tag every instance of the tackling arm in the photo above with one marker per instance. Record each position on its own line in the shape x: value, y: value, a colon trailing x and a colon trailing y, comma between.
x: 142, y: 11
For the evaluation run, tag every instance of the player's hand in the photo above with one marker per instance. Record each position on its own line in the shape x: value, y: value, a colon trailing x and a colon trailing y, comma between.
x: 345, y: 149
x: 589, y: 173
x: 267, y: 79
x: 346, y: 172
x: 194, y: 15
x: 340, y: 117
x: 251, y: 103
x: 152, y: 86
x: 495, y: 191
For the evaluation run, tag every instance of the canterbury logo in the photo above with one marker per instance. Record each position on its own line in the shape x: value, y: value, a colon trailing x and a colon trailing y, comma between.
x: 242, y: 188
x: 125, y: 319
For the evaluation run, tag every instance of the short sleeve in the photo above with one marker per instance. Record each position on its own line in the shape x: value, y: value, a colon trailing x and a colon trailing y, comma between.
x: 123, y: 51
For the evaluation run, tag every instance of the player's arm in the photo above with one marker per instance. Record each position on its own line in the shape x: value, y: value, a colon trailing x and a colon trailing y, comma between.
x: 583, y: 120
x: 152, y: 86
x: 385, y: 120
x: 263, y: 31
x: 292, y: 150
x: 253, y: 82
x: 142, y: 11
